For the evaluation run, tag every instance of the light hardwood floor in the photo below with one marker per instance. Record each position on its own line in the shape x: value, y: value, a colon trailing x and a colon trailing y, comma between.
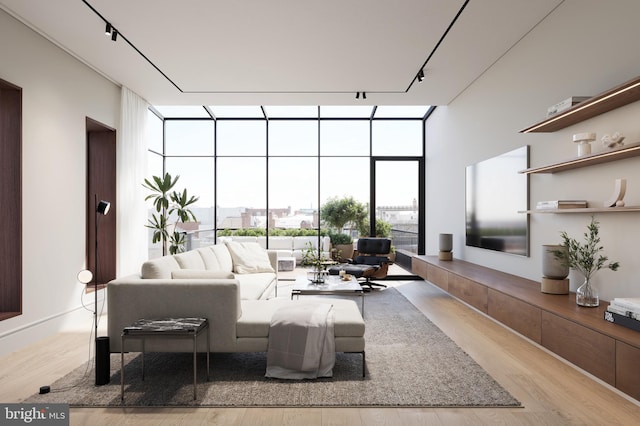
x: 551, y: 391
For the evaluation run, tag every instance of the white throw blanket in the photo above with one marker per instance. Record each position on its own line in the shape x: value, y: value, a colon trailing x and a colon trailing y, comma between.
x: 301, y: 342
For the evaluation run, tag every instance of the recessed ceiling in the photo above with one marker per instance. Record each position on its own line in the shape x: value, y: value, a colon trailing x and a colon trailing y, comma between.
x: 286, y: 52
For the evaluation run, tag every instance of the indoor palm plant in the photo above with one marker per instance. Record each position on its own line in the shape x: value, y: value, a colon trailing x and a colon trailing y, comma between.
x: 585, y: 258
x: 166, y: 202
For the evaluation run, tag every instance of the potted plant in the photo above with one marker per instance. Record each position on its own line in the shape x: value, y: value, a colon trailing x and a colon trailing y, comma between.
x: 314, y: 258
x: 586, y: 258
x: 341, y: 213
x: 167, y: 202
x: 343, y: 246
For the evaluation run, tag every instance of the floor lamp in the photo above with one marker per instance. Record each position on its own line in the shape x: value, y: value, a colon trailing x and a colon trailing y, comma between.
x: 102, y: 366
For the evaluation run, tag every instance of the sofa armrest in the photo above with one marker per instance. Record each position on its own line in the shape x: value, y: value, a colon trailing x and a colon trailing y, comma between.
x: 218, y: 300
x: 273, y: 258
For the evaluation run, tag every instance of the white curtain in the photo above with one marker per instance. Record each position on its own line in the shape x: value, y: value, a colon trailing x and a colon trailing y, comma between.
x: 132, y: 169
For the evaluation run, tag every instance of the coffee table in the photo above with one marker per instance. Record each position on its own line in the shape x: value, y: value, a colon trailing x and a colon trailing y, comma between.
x: 333, y: 286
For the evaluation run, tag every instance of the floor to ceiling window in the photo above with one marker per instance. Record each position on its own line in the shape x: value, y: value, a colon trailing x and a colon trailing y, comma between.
x: 267, y: 171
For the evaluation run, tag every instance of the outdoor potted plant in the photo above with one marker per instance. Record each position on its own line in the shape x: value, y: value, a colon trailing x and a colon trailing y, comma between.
x: 585, y: 258
x: 343, y: 246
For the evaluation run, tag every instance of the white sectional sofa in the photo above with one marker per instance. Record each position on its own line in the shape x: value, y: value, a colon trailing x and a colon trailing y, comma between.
x: 230, y: 289
x: 287, y: 246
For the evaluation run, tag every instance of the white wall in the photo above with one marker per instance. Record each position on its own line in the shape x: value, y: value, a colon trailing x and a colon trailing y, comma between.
x: 583, y: 48
x: 58, y: 93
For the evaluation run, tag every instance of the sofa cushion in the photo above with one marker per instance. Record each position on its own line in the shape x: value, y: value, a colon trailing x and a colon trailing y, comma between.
x: 159, y: 268
x: 255, y: 286
x: 249, y: 258
x: 244, y: 239
x: 256, y: 317
x: 302, y: 243
x: 216, y: 258
x: 200, y: 274
x: 281, y: 243
x: 189, y: 260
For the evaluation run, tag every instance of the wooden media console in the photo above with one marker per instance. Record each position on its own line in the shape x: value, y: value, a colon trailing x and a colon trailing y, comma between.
x: 579, y: 335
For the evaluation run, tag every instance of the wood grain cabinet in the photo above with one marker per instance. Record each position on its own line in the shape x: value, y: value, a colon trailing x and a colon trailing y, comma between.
x: 579, y: 335
x: 582, y: 346
x: 469, y: 291
x: 628, y: 369
x: 518, y: 315
x: 438, y: 276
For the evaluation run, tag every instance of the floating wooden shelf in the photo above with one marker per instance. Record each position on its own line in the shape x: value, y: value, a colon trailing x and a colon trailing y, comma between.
x: 586, y: 210
x: 588, y: 160
x: 611, y: 99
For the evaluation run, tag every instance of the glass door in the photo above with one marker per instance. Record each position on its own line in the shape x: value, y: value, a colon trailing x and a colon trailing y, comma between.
x: 397, y: 203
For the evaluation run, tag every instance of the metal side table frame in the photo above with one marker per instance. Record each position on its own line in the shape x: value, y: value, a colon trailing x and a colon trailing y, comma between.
x: 163, y: 328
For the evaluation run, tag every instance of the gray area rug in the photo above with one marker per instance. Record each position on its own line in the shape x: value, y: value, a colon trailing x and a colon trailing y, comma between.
x: 410, y: 363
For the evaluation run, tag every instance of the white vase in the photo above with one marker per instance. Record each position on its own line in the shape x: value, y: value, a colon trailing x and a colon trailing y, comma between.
x: 552, y: 267
x: 445, y: 242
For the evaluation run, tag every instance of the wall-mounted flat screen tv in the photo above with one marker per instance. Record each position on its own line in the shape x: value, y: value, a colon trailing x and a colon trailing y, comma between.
x: 495, y: 193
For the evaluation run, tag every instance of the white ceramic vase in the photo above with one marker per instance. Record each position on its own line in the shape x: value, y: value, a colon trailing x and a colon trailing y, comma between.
x: 552, y: 267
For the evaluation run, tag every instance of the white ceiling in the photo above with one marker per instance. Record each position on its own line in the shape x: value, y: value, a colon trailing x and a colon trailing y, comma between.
x: 286, y: 52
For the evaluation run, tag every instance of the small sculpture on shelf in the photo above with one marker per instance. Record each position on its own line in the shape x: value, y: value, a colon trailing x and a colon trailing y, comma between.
x: 613, y: 141
x: 616, y: 199
x: 584, y: 142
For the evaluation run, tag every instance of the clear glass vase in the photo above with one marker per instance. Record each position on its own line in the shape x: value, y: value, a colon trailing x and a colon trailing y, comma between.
x: 587, y: 295
x: 317, y: 276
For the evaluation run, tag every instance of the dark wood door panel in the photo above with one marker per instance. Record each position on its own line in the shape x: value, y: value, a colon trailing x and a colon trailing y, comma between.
x: 10, y: 200
x: 101, y: 184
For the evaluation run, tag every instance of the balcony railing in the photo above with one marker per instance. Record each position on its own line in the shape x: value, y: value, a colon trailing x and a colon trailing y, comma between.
x: 405, y: 240
x: 402, y: 240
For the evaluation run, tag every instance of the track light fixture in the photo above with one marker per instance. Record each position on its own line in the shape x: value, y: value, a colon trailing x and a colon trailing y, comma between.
x: 357, y: 95
x: 114, y: 35
x: 364, y: 95
x: 420, y: 75
x: 107, y: 30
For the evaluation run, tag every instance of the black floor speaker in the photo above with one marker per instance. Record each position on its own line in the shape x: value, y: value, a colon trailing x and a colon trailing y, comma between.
x: 103, y: 367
